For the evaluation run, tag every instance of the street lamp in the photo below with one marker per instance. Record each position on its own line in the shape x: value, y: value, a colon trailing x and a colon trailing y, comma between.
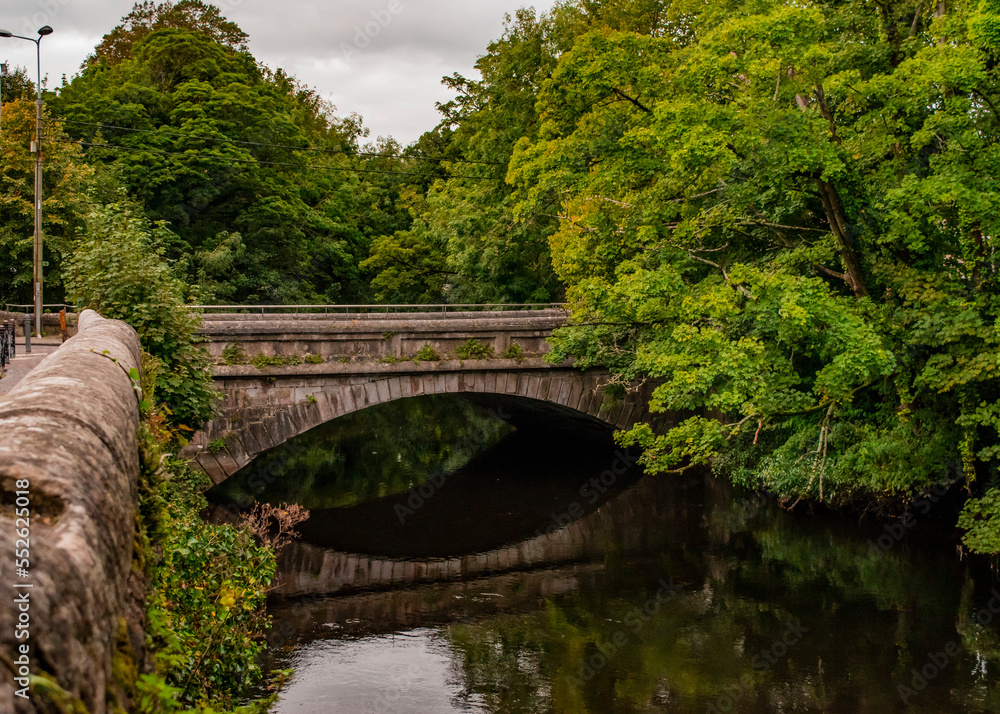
x: 36, y: 148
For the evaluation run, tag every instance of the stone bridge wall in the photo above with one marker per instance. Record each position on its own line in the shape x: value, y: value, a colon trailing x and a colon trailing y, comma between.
x: 263, y: 410
x: 367, y: 359
x: 367, y: 336
x: 68, y: 429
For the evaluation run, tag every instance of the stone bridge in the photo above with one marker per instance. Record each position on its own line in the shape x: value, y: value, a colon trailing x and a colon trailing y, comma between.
x: 282, y: 375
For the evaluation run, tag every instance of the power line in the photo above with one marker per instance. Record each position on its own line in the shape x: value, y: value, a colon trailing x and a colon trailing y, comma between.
x: 223, y: 140
x: 230, y: 159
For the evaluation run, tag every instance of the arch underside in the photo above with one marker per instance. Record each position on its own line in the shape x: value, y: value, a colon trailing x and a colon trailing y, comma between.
x: 258, y: 416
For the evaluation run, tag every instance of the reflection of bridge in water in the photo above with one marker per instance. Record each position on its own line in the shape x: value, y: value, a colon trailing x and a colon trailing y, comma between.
x: 624, y: 525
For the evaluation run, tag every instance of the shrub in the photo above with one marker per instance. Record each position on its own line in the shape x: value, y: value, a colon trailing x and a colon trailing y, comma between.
x: 427, y: 354
x: 206, y: 640
x: 514, y: 352
x: 217, y: 446
x: 263, y: 361
x: 119, y: 269
x: 981, y: 520
x: 474, y: 349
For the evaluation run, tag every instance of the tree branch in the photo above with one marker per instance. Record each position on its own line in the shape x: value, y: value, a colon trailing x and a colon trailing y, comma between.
x: 619, y: 93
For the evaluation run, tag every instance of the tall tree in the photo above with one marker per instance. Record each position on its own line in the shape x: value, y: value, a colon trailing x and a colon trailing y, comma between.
x: 784, y: 214
x: 69, y: 186
x: 465, y: 243
x: 148, y: 17
x: 254, y: 176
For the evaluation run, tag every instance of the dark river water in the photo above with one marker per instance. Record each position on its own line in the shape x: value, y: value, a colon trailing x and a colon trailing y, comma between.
x: 489, y: 556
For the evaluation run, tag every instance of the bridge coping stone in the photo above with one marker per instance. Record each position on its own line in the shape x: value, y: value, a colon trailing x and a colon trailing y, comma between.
x: 70, y: 429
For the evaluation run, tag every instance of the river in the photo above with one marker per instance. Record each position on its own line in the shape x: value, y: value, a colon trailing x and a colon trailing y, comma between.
x: 491, y: 556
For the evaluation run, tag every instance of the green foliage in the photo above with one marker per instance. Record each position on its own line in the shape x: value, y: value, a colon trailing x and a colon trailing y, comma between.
x: 514, y: 351
x: 70, y: 187
x: 314, y: 359
x: 233, y: 354
x: 118, y: 269
x: 783, y: 214
x: 466, y: 242
x: 208, y: 145
x: 16, y: 85
x: 147, y: 17
x: 981, y: 520
x: 473, y: 349
x: 427, y: 354
x: 208, y: 586
x: 217, y: 446
x: 262, y: 361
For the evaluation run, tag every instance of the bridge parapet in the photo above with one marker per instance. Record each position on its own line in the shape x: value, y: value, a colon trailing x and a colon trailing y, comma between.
x: 69, y: 457
x: 372, y: 335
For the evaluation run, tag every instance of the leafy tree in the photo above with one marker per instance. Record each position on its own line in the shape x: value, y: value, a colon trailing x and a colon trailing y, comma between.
x: 254, y: 176
x: 67, y: 185
x: 148, y: 17
x: 465, y: 234
x: 16, y: 85
x: 120, y: 270
x: 784, y: 215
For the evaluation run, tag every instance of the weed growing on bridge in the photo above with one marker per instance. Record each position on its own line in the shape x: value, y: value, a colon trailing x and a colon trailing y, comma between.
x: 474, y: 349
x: 234, y: 354
x: 314, y: 359
x: 426, y: 354
x: 217, y: 446
x: 514, y: 352
x: 264, y: 361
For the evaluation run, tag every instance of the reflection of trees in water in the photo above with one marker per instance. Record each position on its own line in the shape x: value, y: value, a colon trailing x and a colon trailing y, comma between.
x: 865, y: 623
x: 369, y: 454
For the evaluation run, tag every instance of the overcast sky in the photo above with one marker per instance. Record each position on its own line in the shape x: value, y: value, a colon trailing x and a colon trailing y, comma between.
x: 383, y: 59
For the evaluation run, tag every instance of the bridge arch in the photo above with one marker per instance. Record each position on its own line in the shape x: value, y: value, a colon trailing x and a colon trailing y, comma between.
x: 329, y: 365
x: 261, y: 412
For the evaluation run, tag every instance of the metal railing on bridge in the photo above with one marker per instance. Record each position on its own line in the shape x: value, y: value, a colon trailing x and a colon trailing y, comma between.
x: 8, y: 307
x: 444, y: 309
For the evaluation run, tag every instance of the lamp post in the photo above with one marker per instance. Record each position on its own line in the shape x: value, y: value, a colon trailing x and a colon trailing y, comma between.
x: 37, y: 150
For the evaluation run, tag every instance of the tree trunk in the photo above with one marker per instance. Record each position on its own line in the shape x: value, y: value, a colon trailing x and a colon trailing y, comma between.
x: 838, y: 225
